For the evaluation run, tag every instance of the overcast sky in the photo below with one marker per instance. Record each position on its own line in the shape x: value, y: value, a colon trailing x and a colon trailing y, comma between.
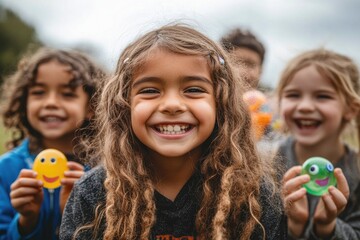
x: 286, y: 27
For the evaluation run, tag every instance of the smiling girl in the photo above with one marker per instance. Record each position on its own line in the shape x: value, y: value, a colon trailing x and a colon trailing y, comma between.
x: 318, y: 96
x: 178, y: 157
x: 47, y: 100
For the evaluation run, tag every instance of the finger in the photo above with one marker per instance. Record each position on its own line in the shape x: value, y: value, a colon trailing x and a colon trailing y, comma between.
x: 73, y: 174
x: 18, y: 202
x: 27, y: 173
x: 26, y: 182
x: 68, y: 181
x: 291, y: 173
x: 294, y: 184
x: 292, y: 198
x: 24, y: 191
x: 339, y: 199
x: 295, y: 196
x: 75, y: 166
x: 342, y: 184
x: 329, y: 206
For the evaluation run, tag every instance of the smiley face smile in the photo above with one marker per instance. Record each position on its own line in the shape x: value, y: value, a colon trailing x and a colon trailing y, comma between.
x: 50, y: 179
x: 322, y: 182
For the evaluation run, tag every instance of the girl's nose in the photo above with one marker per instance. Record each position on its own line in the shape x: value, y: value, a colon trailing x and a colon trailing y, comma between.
x: 172, y: 104
x: 51, y: 100
x: 306, y: 104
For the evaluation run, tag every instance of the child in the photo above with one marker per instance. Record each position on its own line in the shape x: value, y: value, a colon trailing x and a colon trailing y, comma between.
x: 178, y: 159
x: 248, y: 52
x: 48, y: 101
x: 318, y: 96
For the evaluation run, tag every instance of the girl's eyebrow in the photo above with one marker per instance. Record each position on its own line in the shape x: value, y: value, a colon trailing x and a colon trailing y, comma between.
x: 290, y: 89
x: 320, y: 89
x: 40, y: 84
x: 198, y: 78
x: 184, y: 79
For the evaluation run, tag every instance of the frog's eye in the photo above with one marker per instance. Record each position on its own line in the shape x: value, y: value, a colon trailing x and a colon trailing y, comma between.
x: 330, y: 167
x: 314, y: 169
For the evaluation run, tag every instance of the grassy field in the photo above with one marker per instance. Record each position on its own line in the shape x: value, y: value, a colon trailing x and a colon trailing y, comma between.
x: 4, y: 137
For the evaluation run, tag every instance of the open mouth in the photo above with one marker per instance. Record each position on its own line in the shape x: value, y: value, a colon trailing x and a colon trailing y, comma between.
x: 322, y: 182
x: 169, y: 129
x: 51, y: 119
x: 50, y: 179
x: 307, y: 124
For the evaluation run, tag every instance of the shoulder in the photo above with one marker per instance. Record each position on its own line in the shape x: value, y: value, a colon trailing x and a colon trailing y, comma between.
x: 270, y: 197
x: 350, y: 167
x: 12, y: 162
x: 285, y: 157
x: 91, y: 185
x: 20, y: 152
x: 15, y: 160
x: 95, y: 176
x: 286, y: 145
x: 272, y: 218
x: 350, y: 158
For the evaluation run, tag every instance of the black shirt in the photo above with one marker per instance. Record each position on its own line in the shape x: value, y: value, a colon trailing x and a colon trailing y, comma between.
x: 174, y: 219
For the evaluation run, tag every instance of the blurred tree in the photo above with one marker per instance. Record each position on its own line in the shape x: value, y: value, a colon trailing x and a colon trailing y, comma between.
x: 16, y: 38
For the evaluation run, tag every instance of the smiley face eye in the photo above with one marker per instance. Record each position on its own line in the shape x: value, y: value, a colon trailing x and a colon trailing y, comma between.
x: 42, y: 160
x: 52, y: 160
x: 314, y: 169
x: 330, y: 167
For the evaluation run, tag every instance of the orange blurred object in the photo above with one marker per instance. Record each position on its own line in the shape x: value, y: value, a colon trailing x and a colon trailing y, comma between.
x: 260, y: 111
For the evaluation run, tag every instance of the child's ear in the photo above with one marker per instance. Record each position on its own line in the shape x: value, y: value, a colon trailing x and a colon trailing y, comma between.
x: 351, y: 112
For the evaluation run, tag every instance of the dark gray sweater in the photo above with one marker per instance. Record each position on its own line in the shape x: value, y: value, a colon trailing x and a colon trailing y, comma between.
x: 348, y: 222
x: 174, y: 219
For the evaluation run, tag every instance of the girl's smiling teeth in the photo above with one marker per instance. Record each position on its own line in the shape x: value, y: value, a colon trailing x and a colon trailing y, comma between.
x: 172, y: 128
x: 307, y: 123
x: 51, y: 119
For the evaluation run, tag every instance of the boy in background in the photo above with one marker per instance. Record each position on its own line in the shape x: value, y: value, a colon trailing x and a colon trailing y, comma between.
x: 247, y: 51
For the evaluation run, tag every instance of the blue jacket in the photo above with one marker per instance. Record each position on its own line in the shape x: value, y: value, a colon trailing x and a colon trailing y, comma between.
x: 48, y: 225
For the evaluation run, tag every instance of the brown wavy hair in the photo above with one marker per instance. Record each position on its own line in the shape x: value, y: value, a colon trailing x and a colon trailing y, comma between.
x: 15, y: 90
x: 230, y: 167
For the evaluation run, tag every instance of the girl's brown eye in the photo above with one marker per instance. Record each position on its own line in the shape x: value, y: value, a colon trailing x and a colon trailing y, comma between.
x: 69, y: 94
x: 194, y: 90
x: 148, y: 91
x: 36, y: 92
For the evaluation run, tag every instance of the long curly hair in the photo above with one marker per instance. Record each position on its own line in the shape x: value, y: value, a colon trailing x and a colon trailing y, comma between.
x: 230, y: 167
x: 15, y: 90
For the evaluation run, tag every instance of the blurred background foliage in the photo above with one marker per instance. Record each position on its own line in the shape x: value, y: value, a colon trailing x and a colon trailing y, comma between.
x: 16, y: 39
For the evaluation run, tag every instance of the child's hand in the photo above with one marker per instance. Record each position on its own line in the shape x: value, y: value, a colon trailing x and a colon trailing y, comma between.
x: 76, y: 170
x: 330, y: 206
x: 26, y: 197
x: 296, y: 204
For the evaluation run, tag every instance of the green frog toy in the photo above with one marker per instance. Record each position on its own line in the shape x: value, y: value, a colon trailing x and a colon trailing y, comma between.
x: 321, y: 173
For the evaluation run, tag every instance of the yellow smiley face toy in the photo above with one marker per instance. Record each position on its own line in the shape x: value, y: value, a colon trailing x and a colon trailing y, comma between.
x: 50, y: 164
